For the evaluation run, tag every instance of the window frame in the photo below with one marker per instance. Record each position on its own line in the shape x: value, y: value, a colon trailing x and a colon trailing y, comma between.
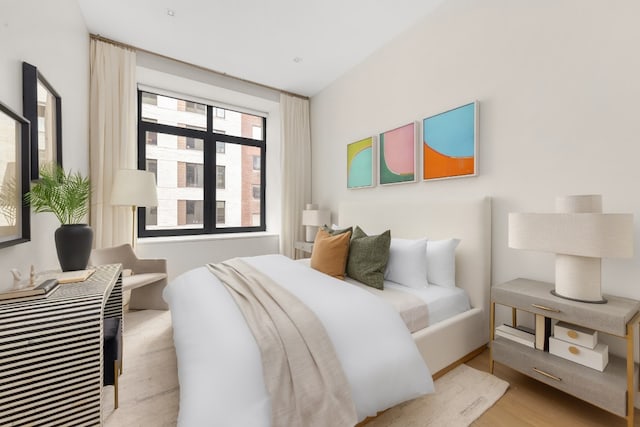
x: 210, y: 138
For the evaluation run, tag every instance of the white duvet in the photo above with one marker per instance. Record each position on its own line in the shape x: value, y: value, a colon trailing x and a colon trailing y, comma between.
x: 219, y: 366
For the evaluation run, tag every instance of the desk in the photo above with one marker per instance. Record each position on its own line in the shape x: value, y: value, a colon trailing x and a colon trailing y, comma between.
x: 51, y: 352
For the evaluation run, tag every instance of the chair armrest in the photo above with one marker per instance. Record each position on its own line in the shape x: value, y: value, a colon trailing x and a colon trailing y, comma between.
x: 150, y: 266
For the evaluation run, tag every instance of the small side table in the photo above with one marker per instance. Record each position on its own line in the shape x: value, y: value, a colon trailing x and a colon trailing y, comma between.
x: 304, y: 248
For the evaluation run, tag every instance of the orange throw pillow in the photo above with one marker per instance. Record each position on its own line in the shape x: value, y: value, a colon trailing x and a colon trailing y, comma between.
x: 330, y: 253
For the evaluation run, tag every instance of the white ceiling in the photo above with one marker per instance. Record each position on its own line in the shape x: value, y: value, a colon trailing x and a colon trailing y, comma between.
x: 258, y: 40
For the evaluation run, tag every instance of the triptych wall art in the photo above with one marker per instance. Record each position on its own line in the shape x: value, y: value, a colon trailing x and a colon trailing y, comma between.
x: 448, y: 148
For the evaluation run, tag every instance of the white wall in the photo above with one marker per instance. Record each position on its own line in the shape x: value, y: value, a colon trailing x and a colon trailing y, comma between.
x: 558, y: 84
x: 52, y: 36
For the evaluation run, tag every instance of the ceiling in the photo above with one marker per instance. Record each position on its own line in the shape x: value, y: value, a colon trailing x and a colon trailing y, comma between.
x: 299, y: 46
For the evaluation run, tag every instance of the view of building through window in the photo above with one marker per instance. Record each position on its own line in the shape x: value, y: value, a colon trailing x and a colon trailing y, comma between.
x: 178, y: 157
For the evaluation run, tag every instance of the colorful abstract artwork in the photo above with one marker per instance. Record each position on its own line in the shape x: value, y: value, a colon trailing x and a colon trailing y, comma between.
x: 360, y: 163
x: 398, y: 155
x: 450, y: 143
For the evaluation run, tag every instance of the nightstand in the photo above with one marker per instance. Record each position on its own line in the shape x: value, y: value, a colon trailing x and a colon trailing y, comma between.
x: 303, y: 247
x: 614, y: 388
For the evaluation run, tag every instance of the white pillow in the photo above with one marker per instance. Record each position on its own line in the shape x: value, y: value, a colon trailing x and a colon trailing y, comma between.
x: 407, y: 263
x: 441, y: 262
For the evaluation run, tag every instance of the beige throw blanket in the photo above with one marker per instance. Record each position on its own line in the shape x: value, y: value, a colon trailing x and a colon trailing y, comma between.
x: 301, y: 371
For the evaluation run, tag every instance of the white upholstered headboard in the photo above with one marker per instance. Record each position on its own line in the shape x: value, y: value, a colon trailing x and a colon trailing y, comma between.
x: 467, y: 220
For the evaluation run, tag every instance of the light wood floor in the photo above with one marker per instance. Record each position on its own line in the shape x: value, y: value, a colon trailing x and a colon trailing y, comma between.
x: 528, y: 402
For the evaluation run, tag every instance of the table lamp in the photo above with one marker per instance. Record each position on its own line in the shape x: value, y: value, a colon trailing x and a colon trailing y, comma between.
x: 312, y: 218
x: 580, y: 235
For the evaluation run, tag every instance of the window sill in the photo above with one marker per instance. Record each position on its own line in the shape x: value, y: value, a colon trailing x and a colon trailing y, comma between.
x: 143, y: 241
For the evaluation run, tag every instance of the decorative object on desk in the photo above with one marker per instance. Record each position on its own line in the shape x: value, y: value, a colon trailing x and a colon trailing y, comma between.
x: 360, y: 163
x: 43, y: 289
x: 398, y: 155
x: 14, y: 178
x: 580, y: 235
x: 450, y: 141
x: 69, y: 276
x: 312, y: 218
x: 66, y: 195
x: 135, y: 188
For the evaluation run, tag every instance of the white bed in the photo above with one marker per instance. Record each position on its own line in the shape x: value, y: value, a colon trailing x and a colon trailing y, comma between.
x: 219, y: 365
x: 219, y: 362
x: 449, y: 341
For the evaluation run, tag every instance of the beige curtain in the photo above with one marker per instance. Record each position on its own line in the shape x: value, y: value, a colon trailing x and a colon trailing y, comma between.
x: 296, y: 168
x: 113, y: 116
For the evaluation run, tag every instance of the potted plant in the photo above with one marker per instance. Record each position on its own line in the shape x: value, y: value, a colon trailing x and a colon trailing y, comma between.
x: 66, y: 195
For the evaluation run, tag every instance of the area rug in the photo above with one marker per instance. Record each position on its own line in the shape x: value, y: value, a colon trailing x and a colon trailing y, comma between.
x: 149, y: 390
x: 461, y: 396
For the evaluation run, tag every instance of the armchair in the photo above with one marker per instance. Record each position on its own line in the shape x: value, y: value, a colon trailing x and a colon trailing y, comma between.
x: 146, y: 280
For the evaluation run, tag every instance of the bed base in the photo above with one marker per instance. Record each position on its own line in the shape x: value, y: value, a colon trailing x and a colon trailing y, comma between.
x: 444, y: 344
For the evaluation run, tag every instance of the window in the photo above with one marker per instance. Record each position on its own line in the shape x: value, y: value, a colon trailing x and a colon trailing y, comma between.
x: 220, y: 212
x: 149, y: 98
x: 152, y: 166
x: 208, y: 166
x: 220, y: 177
x: 220, y: 147
x: 195, y: 175
x: 194, y: 209
x: 152, y: 216
x: 194, y: 144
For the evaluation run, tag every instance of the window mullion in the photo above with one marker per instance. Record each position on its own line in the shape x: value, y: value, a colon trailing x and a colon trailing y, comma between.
x: 209, y: 175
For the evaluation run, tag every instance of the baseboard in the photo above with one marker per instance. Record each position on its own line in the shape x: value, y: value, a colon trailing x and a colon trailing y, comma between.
x: 459, y: 362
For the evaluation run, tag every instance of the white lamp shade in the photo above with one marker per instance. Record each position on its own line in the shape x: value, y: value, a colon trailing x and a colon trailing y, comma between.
x: 580, y: 235
x: 316, y: 217
x: 583, y: 234
x: 132, y: 187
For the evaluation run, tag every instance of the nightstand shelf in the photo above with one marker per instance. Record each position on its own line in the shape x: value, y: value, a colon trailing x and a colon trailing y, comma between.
x: 304, y: 247
x: 613, y: 389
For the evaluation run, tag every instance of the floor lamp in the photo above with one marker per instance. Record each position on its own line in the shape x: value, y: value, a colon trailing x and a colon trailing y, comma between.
x: 135, y: 188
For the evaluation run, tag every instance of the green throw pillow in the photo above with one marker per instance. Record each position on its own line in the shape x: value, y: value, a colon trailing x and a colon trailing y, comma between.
x: 337, y: 231
x: 368, y: 256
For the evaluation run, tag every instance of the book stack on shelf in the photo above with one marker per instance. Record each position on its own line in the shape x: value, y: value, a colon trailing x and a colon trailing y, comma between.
x: 520, y: 335
x: 537, y: 338
x: 579, y: 345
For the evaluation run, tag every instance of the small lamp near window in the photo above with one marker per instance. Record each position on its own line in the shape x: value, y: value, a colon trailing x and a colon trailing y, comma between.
x: 580, y: 235
x: 135, y: 188
x: 312, y: 218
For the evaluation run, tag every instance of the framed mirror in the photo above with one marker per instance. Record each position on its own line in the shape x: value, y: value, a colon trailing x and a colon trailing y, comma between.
x: 14, y: 178
x: 42, y: 106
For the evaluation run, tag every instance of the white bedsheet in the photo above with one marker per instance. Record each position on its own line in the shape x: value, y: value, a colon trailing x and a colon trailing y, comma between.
x: 442, y: 302
x: 219, y: 367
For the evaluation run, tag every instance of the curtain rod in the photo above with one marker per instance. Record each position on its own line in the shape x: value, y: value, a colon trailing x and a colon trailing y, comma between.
x: 220, y: 73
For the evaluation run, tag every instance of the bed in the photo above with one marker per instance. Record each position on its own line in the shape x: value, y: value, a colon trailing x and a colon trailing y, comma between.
x: 460, y: 336
x: 218, y: 360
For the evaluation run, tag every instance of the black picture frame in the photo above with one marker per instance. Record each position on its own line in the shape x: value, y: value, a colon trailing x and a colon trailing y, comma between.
x: 35, y: 109
x: 15, y: 218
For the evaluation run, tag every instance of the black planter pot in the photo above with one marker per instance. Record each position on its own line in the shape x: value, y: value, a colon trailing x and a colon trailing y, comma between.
x: 73, y: 244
